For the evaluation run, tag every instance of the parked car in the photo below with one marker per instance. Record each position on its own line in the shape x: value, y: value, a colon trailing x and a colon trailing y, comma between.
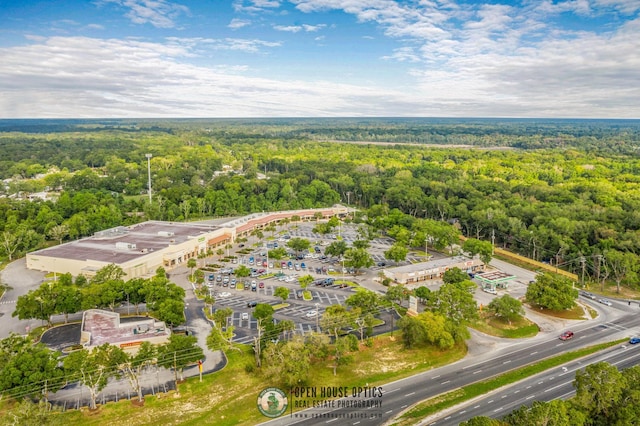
x: 566, y: 335
x: 244, y: 316
x: 490, y: 290
x: 634, y: 340
x: 261, y: 285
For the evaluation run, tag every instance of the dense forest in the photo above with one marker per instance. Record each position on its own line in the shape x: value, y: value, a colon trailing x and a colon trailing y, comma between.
x: 565, y: 192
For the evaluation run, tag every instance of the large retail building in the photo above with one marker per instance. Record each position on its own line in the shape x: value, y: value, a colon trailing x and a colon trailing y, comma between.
x: 142, y: 248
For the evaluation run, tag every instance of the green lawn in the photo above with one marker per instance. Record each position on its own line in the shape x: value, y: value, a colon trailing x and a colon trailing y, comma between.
x: 494, y: 326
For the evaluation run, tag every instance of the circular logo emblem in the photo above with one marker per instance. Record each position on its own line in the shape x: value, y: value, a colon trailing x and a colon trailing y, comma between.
x: 272, y: 402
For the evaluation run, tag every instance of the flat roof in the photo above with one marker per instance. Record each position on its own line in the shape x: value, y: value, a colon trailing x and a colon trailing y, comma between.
x: 494, y: 276
x: 147, y: 236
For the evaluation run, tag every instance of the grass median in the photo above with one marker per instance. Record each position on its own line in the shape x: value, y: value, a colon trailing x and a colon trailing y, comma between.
x: 465, y: 393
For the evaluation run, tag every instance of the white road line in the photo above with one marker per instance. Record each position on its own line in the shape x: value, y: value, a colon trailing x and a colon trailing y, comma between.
x: 444, y: 383
x: 409, y: 394
x: 557, y: 386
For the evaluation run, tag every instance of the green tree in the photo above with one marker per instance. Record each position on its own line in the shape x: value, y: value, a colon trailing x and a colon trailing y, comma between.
x: 336, y: 249
x: 191, y: 264
x: 506, y: 307
x: 477, y: 247
x: 397, y: 253
x: 551, y: 291
x: 58, y: 233
x: 28, y: 369
x: 171, y: 311
x: 454, y: 275
x: 366, y: 300
x: 357, y: 259
x: 281, y: 292
x: 133, y: 366
x: 397, y: 294
x: 304, y: 281
x: 278, y: 253
x: 93, y: 368
x: 288, y: 364
x: 483, y: 421
x: 334, y: 319
x: 557, y: 412
x: 599, y: 390
x: 621, y: 264
x: 263, y: 313
x: 179, y: 352
x: 299, y: 244
x: 242, y: 271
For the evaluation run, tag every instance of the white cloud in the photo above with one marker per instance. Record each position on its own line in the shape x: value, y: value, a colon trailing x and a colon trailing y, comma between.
x: 238, y: 23
x: 288, y: 28
x: 159, y: 13
x: 87, y: 77
x: 298, y: 28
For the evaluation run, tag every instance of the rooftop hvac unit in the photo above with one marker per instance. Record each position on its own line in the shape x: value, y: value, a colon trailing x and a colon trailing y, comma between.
x: 126, y: 246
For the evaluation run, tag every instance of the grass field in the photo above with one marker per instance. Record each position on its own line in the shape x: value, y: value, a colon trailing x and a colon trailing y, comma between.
x: 228, y: 397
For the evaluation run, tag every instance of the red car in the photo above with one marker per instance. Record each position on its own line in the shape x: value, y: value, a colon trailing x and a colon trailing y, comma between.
x: 566, y: 335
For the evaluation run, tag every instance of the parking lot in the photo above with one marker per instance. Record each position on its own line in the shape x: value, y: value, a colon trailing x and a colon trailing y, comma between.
x: 325, y: 290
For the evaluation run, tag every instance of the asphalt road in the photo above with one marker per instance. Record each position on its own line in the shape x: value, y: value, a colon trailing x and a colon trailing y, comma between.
x: 556, y: 383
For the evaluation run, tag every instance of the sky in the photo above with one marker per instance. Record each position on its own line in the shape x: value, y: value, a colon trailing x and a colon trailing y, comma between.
x: 319, y: 58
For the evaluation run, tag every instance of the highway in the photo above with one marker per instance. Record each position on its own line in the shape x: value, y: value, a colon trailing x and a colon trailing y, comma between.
x: 616, y: 322
x: 556, y: 383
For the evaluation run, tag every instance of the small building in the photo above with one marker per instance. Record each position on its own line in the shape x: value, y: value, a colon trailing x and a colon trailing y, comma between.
x: 100, y: 327
x: 493, y: 279
x: 432, y: 270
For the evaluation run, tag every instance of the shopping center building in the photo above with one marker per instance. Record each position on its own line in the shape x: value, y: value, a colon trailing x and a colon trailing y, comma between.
x: 432, y: 270
x: 142, y: 248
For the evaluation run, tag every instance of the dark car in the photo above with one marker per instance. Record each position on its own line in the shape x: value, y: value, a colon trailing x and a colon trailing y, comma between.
x: 634, y: 340
x: 252, y: 304
x: 566, y: 335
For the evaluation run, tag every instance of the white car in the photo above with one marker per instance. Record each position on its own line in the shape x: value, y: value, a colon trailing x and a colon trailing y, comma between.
x: 311, y: 314
x: 224, y: 294
x: 490, y: 290
x: 605, y: 302
x: 244, y: 316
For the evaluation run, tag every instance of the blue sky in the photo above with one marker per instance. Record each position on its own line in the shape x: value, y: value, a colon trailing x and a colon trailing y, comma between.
x: 319, y: 58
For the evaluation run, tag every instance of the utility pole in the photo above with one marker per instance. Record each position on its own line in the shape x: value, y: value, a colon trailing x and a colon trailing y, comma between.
x: 493, y: 240
x: 583, y: 263
x: 149, y: 173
